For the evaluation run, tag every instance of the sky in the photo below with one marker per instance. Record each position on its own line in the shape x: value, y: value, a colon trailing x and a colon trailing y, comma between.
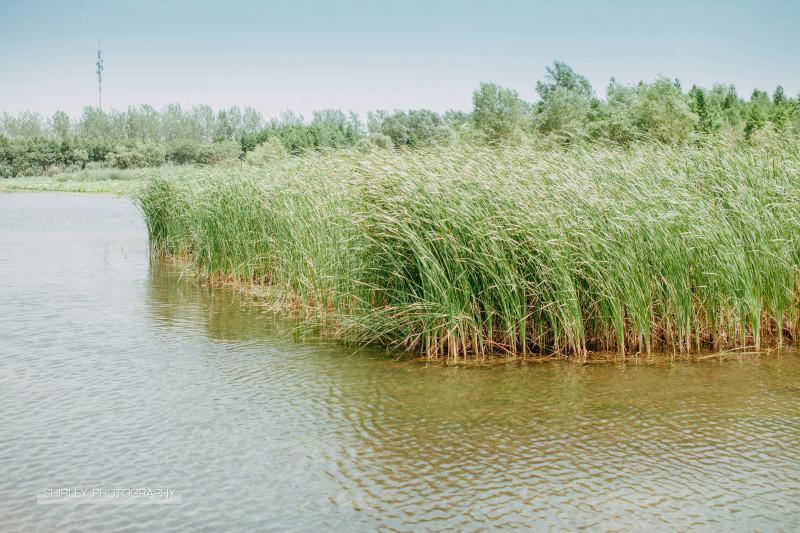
x: 365, y: 55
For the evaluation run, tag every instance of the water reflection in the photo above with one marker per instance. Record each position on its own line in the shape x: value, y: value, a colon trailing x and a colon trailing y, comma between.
x: 178, y: 299
x: 120, y: 370
x: 405, y: 444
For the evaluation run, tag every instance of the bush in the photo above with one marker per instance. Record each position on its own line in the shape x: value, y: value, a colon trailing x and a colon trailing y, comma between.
x: 153, y: 155
x: 377, y: 141
x: 29, y: 157
x: 381, y: 141
x: 5, y: 163
x: 444, y: 135
x: 53, y: 170
x: 268, y: 151
x: 469, y: 134
x: 657, y: 111
x: 79, y: 156
x: 136, y: 156
x: 417, y: 128
x: 188, y: 151
x: 184, y: 152
x: 662, y: 111
x: 210, y: 154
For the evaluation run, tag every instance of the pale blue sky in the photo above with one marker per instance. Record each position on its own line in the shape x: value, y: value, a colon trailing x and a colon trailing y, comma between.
x: 361, y: 55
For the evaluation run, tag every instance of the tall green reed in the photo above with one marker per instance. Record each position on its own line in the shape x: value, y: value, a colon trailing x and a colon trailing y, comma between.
x: 470, y: 251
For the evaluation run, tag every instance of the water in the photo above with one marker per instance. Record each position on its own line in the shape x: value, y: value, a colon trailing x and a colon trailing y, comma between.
x: 115, y: 373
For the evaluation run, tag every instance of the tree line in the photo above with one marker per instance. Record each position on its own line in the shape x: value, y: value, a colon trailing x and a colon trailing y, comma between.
x: 567, y: 111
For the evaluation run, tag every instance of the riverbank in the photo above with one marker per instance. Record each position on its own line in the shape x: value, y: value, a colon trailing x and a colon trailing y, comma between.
x: 101, y: 180
x: 470, y: 252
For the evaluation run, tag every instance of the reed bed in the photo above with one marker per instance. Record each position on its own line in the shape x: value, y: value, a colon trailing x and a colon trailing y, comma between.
x: 465, y: 252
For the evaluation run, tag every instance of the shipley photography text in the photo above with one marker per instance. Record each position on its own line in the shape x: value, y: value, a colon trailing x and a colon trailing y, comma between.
x: 96, y: 495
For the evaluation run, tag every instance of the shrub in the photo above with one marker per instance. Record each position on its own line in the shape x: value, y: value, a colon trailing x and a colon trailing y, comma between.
x: 137, y: 155
x: 183, y: 152
x: 266, y: 152
x: 415, y: 128
x: 377, y: 141
x: 218, y: 152
x: 662, y: 111
x: 381, y: 141
x: 79, y: 156
x: 53, y: 170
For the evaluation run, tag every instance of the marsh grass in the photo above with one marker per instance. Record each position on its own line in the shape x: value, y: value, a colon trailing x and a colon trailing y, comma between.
x: 466, y: 252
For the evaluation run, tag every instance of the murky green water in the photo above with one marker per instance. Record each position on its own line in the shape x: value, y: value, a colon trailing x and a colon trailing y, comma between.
x: 115, y: 373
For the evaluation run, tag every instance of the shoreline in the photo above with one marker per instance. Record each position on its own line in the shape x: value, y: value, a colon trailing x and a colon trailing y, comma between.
x: 274, y: 300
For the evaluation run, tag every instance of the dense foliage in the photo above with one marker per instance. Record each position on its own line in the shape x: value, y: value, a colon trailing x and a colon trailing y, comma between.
x: 463, y: 251
x: 567, y: 111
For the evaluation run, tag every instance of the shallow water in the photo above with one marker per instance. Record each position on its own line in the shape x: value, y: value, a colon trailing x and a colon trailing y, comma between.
x: 119, y: 373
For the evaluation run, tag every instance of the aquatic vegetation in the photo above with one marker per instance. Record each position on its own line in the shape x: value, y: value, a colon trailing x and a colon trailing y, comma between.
x: 469, y: 251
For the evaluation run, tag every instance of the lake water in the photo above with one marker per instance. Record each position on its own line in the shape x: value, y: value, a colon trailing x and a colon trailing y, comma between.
x: 120, y: 373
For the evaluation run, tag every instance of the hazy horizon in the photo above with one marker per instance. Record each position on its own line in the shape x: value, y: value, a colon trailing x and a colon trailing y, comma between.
x: 358, y: 56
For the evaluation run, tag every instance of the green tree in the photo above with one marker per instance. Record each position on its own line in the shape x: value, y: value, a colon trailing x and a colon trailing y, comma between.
x: 560, y: 76
x: 225, y: 126
x: 497, y: 111
x: 417, y: 127
x: 24, y: 125
x: 756, y: 119
x: 661, y: 111
x: 781, y: 111
x: 612, y: 120
x: 725, y: 106
x: 267, y: 152
x: 779, y: 96
x: 566, y: 99
x: 708, y: 118
x: 61, y: 125
x: 335, y: 129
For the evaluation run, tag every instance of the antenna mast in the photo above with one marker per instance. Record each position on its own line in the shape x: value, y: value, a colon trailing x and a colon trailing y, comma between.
x: 99, y: 76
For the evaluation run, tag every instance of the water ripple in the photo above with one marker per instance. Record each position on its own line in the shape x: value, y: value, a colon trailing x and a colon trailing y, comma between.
x: 119, y: 372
